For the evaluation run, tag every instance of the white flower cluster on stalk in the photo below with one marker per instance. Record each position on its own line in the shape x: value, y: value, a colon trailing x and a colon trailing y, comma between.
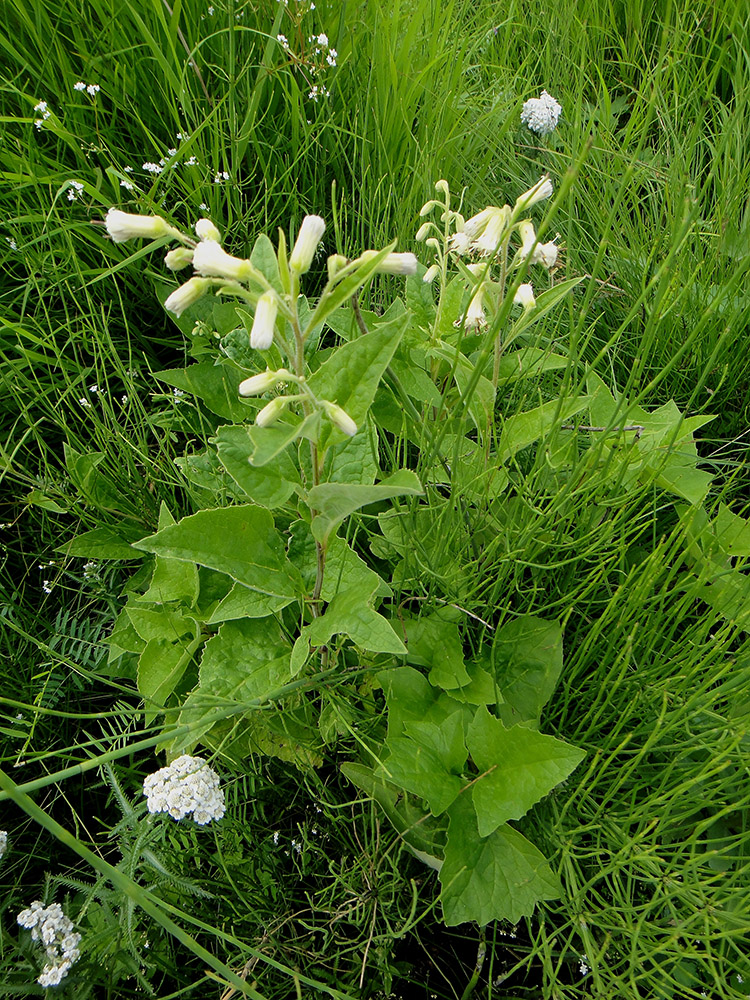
x: 3, y: 843
x: 50, y: 926
x: 187, y: 785
x: 541, y: 114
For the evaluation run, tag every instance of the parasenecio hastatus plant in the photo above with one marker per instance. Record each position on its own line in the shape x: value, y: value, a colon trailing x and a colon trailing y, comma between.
x: 287, y: 615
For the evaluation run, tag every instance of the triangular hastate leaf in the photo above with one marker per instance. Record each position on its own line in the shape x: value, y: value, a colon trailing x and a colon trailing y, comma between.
x: 333, y: 502
x: 517, y: 768
x: 527, y: 656
x: 436, y: 643
x: 500, y: 877
x: 172, y: 579
x: 240, y: 541
x: 350, y: 613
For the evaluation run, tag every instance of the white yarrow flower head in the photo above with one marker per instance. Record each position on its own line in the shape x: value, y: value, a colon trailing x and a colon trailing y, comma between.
x: 206, y: 230
x: 261, y: 335
x: 3, y: 842
x: 50, y: 926
x: 539, y: 192
x: 123, y: 226
x: 212, y: 262
x: 541, y: 114
x: 186, y: 295
x: 188, y: 785
x: 524, y: 296
x: 79, y: 86
x: 309, y: 236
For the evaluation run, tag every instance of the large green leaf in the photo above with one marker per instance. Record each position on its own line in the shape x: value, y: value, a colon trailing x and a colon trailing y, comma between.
x: 333, y: 502
x: 159, y: 623
x: 527, y: 655
x: 215, y: 384
x: 270, y: 442
x: 523, y: 429
x: 160, y: 668
x: 354, y: 460
x: 269, y: 485
x: 240, y: 541
x: 103, y: 543
x: 500, y: 877
x: 436, y: 643
x: 351, y: 374
x: 517, y: 766
x: 241, y: 602
x: 172, y: 579
x: 349, y: 613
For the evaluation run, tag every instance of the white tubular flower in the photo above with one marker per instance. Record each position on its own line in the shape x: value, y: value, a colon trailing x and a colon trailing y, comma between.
x: 442, y: 187
x: 460, y: 243
x: 541, y: 190
x: 3, y: 842
x: 528, y: 239
x: 475, y: 314
x: 309, y: 236
x: 123, y: 226
x: 261, y: 335
x: 211, y: 261
x: 256, y: 385
x: 524, y: 297
x: 490, y: 239
x: 340, y: 418
x: 206, y: 230
x: 187, y: 785
x: 431, y: 273
x: 335, y: 263
x: 178, y: 258
x: 423, y: 231
x: 184, y: 296
x: 548, y: 254
x: 271, y: 412
x: 477, y: 224
x: 541, y: 114
x: 398, y: 263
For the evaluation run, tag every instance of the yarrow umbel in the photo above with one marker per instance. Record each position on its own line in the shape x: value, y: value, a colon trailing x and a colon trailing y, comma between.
x: 187, y: 785
x: 49, y: 925
x: 541, y: 114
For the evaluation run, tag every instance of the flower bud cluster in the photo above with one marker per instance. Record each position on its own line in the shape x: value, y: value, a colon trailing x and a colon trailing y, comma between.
x: 187, y: 785
x: 50, y: 926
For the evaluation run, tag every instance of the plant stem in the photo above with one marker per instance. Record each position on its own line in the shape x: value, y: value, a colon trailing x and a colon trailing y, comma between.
x: 478, y: 965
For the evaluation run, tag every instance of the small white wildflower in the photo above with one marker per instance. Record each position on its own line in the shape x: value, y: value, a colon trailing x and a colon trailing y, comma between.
x: 187, y: 785
x: 85, y: 403
x: 93, y: 89
x: 79, y: 86
x: 210, y: 12
x: 127, y: 170
x: 275, y: 836
x: 583, y: 967
x: 46, y: 585
x: 322, y: 40
x: 11, y: 242
x: 541, y: 114
x: 206, y: 230
x: 186, y: 295
x: 283, y: 41
x: 41, y: 107
x: 3, y: 839
x: 90, y: 570
x: 127, y: 185
x: 331, y: 57
x: 220, y: 176
x: 179, y: 395
x: 94, y: 388
x: 203, y: 207
x: 152, y: 168
x: 124, y: 399
x: 192, y: 161
x: 181, y: 136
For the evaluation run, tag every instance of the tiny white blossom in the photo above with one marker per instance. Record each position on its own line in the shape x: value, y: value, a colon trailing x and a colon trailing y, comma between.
x: 41, y: 107
x: 85, y: 403
x: 3, y: 842
x: 192, y: 161
x: 93, y: 89
x: 127, y: 185
x: 79, y: 86
x: 541, y: 114
x: 128, y: 170
x: 323, y: 40
x: 187, y: 785
x: 331, y: 57
x: 11, y: 242
x: 283, y: 42
x: 211, y: 11
x: 153, y: 168
x: 220, y: 176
